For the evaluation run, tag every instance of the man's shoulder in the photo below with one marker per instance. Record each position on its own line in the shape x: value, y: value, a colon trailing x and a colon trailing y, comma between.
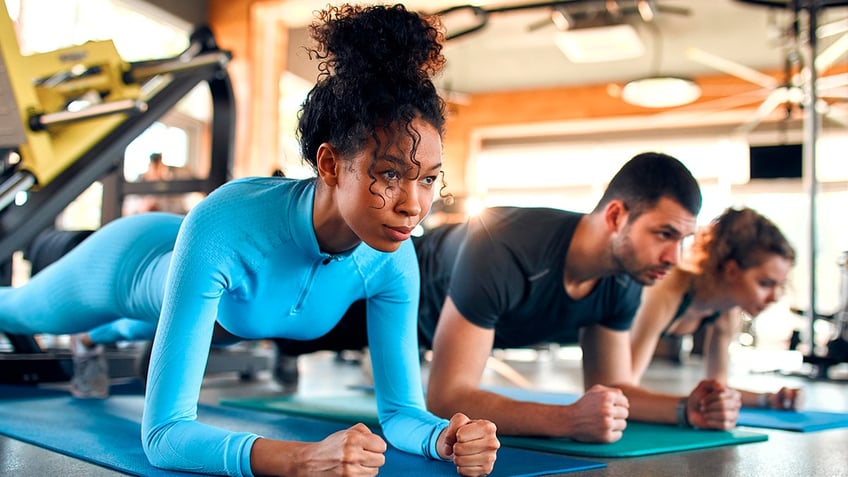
x: 524, y: 222
x: 533, y: 213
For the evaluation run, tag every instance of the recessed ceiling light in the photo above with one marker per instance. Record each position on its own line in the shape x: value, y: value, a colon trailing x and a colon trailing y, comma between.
x: 599, y: 44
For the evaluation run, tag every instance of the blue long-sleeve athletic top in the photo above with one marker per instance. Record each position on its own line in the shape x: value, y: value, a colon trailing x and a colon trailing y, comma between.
x: 246, y: 256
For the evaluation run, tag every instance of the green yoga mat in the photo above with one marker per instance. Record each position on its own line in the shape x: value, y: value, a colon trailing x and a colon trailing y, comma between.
x: 639, y: 439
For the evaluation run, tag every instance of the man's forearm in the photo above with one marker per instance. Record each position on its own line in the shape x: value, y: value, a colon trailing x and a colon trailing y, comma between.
x: 512, y: 417
x: 648, y: 406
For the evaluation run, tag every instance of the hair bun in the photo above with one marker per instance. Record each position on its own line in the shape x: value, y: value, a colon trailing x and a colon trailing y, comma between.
x: 376, y: 65
x: 386, y: 42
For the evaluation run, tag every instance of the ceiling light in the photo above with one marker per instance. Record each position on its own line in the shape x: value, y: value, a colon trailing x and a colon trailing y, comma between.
x: 660, y: 92
x: 604, y: 43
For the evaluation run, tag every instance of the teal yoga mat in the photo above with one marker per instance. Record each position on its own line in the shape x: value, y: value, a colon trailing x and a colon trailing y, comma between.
x: 342, y: 408
x: 798, y: 421
x: 108, y: 433
x: 639, y: 438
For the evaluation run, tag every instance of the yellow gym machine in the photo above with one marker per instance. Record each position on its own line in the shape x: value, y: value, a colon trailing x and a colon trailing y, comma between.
x: 66, y: 118
x: 66, y: 100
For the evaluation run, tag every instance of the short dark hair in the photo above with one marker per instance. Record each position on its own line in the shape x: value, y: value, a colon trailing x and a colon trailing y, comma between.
x: 648, y: 177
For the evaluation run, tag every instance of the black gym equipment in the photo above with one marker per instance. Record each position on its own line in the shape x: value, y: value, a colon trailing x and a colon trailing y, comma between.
x: 837, y: 347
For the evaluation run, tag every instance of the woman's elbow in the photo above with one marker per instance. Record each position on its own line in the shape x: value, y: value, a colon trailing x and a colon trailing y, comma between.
x: 151, y: 442
x: 158, y: 450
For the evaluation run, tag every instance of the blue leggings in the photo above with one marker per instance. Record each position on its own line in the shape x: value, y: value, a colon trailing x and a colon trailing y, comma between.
x: 108, y: 276
x: 123, y: 330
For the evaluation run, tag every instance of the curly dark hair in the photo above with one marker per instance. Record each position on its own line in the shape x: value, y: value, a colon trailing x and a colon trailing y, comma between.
x: 742, y: 235
x: 376, y: 68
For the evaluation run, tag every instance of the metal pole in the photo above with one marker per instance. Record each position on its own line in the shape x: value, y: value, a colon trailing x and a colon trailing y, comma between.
x: 812, y: 125
x: 19, y: 182
x: 126, y: 106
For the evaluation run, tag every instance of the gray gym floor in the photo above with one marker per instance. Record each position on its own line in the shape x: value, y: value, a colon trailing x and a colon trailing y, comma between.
x: 823, y: 453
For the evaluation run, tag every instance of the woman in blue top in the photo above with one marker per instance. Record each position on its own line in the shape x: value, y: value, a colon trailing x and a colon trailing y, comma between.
x: 738, y: 264
x: 273, y: 257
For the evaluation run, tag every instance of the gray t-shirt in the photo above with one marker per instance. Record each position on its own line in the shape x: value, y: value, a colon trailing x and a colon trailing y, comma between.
x: 504, y: 270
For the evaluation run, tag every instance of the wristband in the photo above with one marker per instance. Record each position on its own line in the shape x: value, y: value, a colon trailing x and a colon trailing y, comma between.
x: 763, y: 399
x: 682, y: 415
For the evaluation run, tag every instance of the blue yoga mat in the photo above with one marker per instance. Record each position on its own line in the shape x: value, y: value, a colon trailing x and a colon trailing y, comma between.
x: 798, y: 421
x: 107, y: 432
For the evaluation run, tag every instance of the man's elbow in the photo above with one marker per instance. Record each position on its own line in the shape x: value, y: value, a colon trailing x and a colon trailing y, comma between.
x: 447, y: 401
x: 438, y: 404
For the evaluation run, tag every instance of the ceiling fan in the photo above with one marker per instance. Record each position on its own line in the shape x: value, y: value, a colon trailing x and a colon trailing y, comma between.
x: 599, y: 13
x: 789, y: 93
x: 463, y: 20
x: 567, y: 16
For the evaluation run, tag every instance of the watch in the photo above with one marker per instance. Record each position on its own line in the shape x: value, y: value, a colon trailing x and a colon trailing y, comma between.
x: 682, y: 415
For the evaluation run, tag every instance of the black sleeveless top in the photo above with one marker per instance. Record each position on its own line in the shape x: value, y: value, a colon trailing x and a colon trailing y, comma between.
x: 684, y: 305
